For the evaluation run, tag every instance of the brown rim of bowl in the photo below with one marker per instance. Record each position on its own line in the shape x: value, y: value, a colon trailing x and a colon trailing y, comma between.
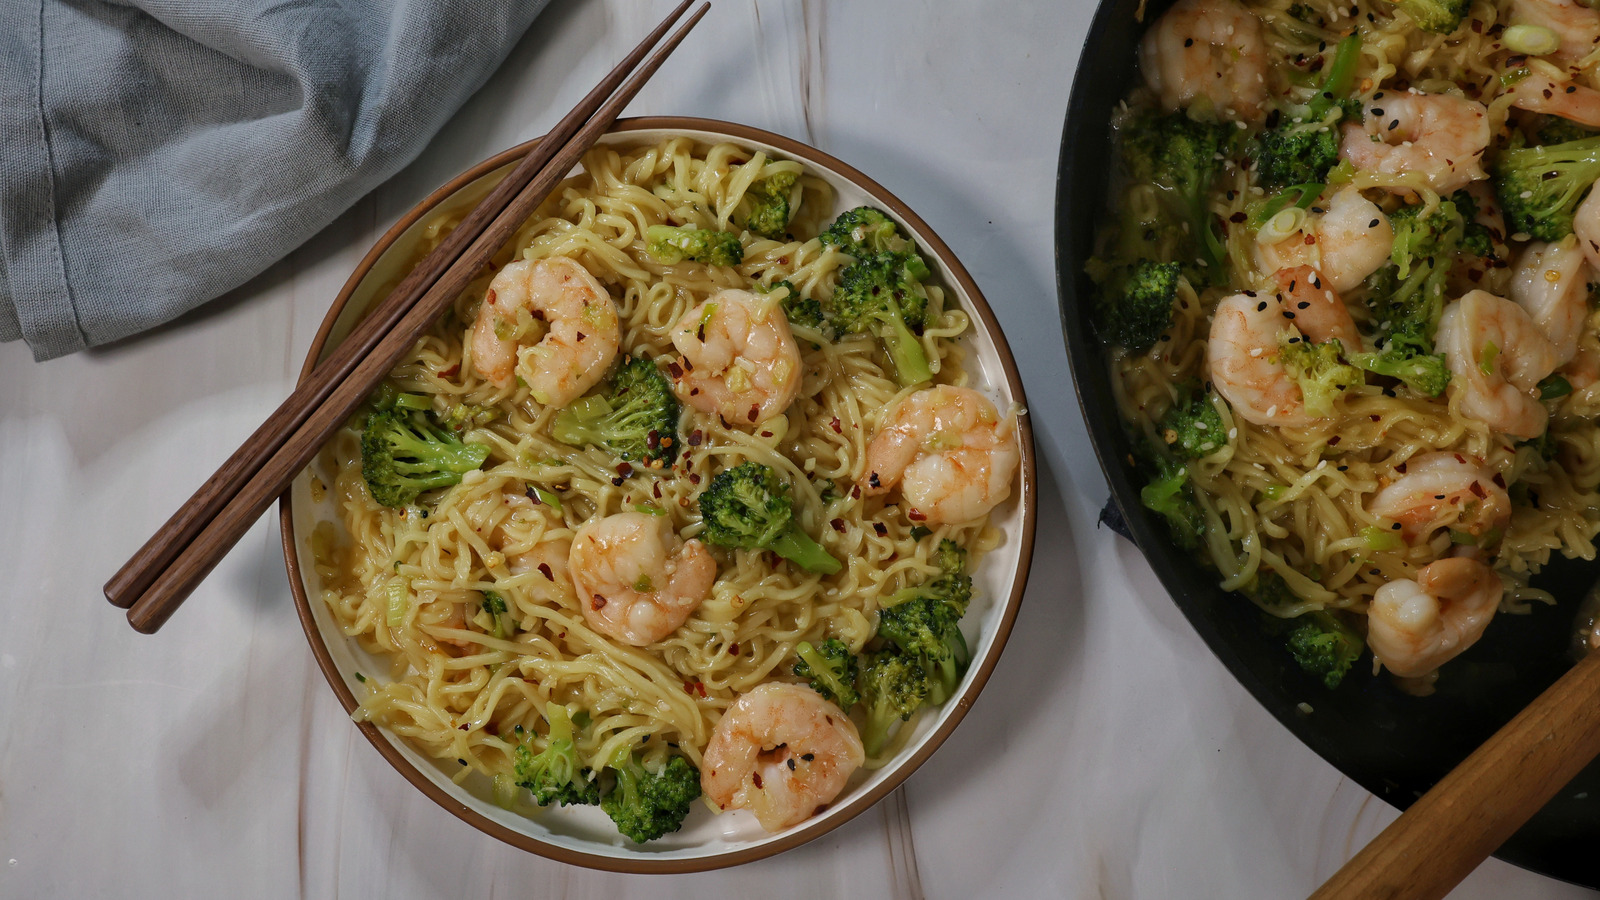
x: 855, y: 805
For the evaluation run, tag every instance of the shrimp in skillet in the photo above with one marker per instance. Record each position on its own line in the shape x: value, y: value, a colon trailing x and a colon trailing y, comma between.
x: 1444, y: 490
x: 1243, y: 350
x: 1210, y: 51
x: 1437, y: 136
x: 1414, y: 627
x: 1551, y: 282
x: 740, y: 360
x: 636, y: 581
x: 1345, y: 243
x: 1498, y: 355
x: 782, y: 752
x: 581, y: 337
x: 950, y: 452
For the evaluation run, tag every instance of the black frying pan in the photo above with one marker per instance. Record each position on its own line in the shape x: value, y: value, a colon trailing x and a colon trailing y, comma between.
x: 1394, y: 745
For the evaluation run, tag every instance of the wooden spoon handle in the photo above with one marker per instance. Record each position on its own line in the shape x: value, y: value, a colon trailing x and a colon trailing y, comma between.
x: 1474, y: 809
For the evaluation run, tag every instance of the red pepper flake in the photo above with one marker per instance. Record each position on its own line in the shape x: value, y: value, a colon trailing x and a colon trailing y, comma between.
x: 855, y: 492
x: 733, y: 648
x: 695, y: 437
x: 599, y: 601
x: 880, y: 528
x: 1401, y: 468
x: 1334, y: 441
x: 1477, y: 490
x: 872, y: 480
x: 916, y: 515
x: 544, y: 569
x: 838, y: 525
x: 755, y: 777
x: 835, y: 424
x: 1238, y: 218
x: 581, y: 335
x: 656, y: 490
x: 489, y: 297
x: 755, y: 410
x: 617, y: 481
x: 463, y: 727
x: 653, y: 439
x: 624, y: 469
x: 450, y: 372
x: 1499, y: 480
x: 675, y: 370
x: 766, y: 434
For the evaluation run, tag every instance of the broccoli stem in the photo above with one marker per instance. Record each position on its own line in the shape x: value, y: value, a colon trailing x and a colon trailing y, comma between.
x: 905, y: 351
x: 798, y: 547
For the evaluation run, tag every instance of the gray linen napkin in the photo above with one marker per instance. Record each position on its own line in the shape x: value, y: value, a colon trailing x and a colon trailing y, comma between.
x: 155, y: 155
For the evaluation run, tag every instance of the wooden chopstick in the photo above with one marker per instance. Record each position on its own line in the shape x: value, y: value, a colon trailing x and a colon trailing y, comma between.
x: 173, y: 582
x: 1473, y: 810
x: 140, y: 571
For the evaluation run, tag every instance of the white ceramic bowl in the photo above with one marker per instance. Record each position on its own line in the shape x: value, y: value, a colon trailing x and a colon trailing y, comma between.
x: 584, y: 835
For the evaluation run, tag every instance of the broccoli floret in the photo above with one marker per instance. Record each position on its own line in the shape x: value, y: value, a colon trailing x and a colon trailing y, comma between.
x: 555, y: 775
x: 801, y: 310
x: 646, y: 805
x: 671, y: 245
x: 1407, y: 297
x: 831, y: 669
x: 1170, y: 494
x: 504, y: 623
x: 1437, y: 16
x: 769, y: 205
x: 1193, y: 429
x: 1318, y: 371
x: 1556, y: 130
x: 1540, y: 187
x: 892, y: 688
x: 1476, y: 240
x: 881, y: 295
x: 923, y: 621
x: 1136, y: 305
x: 405, y: 451
x: 1183, y: 156
x: 749, y: 508
x: 637, y: 417
x: 1269, y: 591
x: 1306, y: 14
x: 1303, y: 144
x: 865, y: 231
x: 1325, y: 646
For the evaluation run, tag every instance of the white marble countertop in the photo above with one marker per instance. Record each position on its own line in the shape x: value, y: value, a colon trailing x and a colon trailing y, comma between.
x: 1110, y: 756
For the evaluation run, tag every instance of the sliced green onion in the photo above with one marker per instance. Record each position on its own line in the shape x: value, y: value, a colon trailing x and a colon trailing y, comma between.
x: 649, y: 509
x: 1381, y: 539
x: 1507, y: 79
x: 1487, y: 357
x: 1554, y: 388
x: 548, y: 498
x: 1273, y: 491
x: 1534, y: 40
x: 1304, y: 196
x: 592, y: 407
x: 398, y: 601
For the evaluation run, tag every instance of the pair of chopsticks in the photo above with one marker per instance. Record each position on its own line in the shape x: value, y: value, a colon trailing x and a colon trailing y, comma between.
x: 157, y: 579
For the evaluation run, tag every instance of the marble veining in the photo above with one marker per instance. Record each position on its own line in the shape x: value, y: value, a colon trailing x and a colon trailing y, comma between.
x: 1110, y: 755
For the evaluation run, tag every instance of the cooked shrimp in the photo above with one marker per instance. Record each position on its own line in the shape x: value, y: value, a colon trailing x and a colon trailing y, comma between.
x: 581, y: 340
x: 1575, y: 25
x: 739, y: 360
x: 1242, y: 355
x: 1315, y: 309
x: 1443, y: 490
x: 1209, y: 50
x: 1498, y: 356
x: 1586, y: 225
x: 1414, y: 627
x: 782, y: 752
x: 1437, y: 136
x: 947, y: 448
x: 636, y: 581
x: 1540, y: 93
x: 1345, y: 244
x: 1551, y: 282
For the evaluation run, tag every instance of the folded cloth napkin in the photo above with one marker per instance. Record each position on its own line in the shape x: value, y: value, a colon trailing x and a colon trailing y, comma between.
x: 155, y: 155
